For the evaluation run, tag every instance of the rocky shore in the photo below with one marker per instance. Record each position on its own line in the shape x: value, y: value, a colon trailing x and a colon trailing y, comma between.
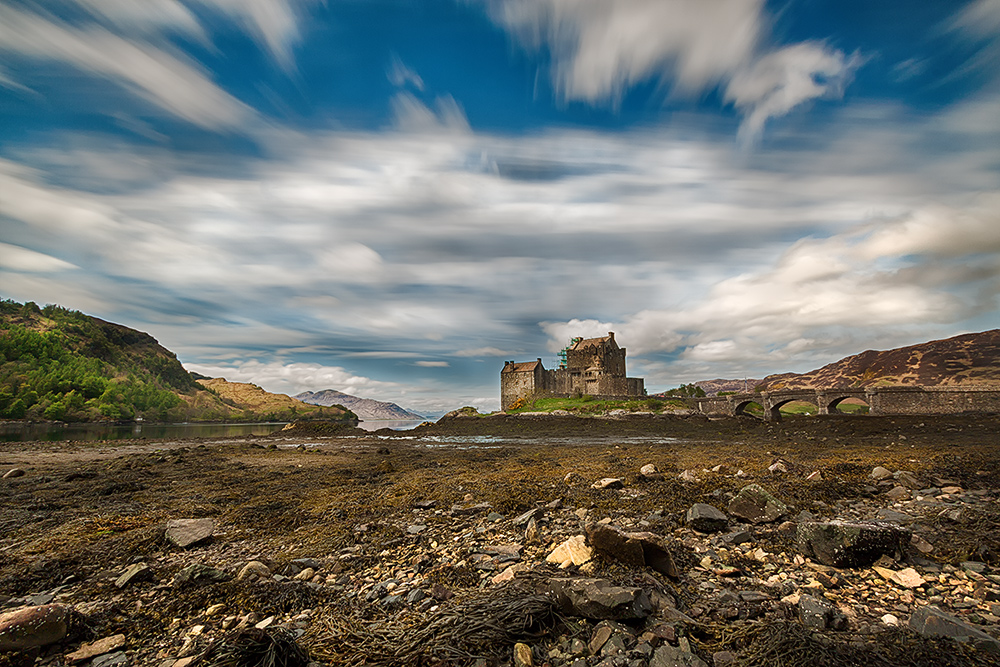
x: 620, y: 542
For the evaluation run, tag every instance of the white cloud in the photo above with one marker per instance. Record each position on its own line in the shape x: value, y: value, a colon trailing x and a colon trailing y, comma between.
x: 274, y: 22
x: 167, y: 81
x: 295, y: 378
x: 350, y: 261
x: 782, y: 80
x: 412, y: 115
x: 939, y: 230
x: 716, y: 350
x: 432, y: 364
x: 601, y: 48
x: 400, y: 75
x: 147, y: 16
x: 487, y: 351
x: 980, y: 18
x: 16, y: 258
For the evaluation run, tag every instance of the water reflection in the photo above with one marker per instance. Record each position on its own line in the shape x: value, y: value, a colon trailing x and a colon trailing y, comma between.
x: 20, y: 432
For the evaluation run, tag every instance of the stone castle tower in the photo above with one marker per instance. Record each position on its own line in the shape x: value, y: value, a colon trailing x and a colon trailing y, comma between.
x: 591, y: 366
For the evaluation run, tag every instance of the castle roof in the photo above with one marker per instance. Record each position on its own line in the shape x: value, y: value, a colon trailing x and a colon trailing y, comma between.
x: 522, y: 367
x: 595, y: 342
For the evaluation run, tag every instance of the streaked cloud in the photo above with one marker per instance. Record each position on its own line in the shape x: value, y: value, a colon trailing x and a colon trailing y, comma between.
x: 400, y: 75
x: 483, y: 352
x: 601, y: 49
x: 16, y: 258
x: 169, y: 81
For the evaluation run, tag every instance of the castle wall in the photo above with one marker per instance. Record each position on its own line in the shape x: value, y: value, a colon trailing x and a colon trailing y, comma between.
x: 514, y: 385
x: 595, y: 367
x: 636, y: 386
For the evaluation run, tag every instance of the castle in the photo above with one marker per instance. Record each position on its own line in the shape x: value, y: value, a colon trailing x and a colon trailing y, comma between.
x: 588, y: 366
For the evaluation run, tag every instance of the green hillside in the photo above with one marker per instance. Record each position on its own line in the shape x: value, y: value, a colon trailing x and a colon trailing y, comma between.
x: 61, y: 365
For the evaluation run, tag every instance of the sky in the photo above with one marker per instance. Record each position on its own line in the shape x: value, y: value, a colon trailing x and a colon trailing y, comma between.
x: 392, y: 197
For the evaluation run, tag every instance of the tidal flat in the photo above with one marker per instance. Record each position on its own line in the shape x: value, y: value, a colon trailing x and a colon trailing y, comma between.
x: 434, y: 546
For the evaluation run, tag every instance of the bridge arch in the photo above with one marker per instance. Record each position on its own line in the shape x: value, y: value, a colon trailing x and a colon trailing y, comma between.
x: 740, y: 407
x: 777, y: 405
x: 834, y: 401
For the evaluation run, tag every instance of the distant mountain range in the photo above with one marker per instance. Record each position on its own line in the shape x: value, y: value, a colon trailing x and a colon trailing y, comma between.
x: 969, y: 359
x: 366, y: 409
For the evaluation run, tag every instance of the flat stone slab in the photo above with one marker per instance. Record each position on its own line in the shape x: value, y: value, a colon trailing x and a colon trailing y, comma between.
x: 706, y: 519
x: 932, y: 622
x: 93, y: 649
x: 186, y: 532
x: 137, y: 572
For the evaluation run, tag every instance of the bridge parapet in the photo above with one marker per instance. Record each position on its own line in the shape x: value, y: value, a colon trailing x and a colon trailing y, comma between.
x: 880, y: 400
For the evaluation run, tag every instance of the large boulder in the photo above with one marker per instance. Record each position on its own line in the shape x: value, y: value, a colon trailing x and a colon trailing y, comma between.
x: 600, y: 599
x: 706, y: 519
x: 932, y: 622
x: 32, y: 627
x: 637, y: 549
x: 756, y: 505
x: 842, y: 544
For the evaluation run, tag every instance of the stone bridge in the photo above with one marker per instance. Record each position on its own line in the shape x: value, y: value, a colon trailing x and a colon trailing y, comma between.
x: 880, y: 400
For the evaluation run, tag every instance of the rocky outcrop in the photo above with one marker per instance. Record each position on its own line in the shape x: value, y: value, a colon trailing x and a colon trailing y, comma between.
x: 843, y: 544
x: 600, y: 599
x: 636, y: 549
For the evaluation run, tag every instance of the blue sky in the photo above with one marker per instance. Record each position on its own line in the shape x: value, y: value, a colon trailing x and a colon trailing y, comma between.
x: 392, y: 197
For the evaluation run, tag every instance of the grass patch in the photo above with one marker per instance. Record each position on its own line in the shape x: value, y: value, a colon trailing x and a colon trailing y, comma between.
x: 591, y: 405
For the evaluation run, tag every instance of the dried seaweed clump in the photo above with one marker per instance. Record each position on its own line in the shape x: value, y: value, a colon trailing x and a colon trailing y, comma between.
x: 786, y: 644
x: 272, y: 647
x: 479, y: 627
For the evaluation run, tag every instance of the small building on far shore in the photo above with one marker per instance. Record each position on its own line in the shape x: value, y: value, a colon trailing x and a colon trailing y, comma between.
x: 589, y: 366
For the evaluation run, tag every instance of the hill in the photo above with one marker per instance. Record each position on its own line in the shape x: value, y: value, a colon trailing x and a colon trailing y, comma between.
x: 966, y: 360
x: 277, y: 407
x: 365, y: 408
x: 62, y: 365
